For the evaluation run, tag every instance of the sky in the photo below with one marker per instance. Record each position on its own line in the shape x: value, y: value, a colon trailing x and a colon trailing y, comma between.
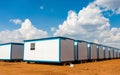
x: 90, y: 20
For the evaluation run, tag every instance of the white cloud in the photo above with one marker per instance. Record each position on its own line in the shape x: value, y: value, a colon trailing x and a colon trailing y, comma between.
x: 118, y: 11
x: 91, y: 25
x: 113, y: 5
x: 27, y: 31
x: 16, y: 21
x: 114, y: 35
x: 113, y: 38
x: 96, y: 41
x: 53, y: 29
x: 41, y: 7
x: 89, y: 22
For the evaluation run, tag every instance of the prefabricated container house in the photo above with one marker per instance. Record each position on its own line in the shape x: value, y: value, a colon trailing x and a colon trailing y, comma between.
x: 100, y: 52
x: 11, y: 51
x: 111, y: 52
x: 81, y: 50
x: 117, y: 53
x: 106, y: 52
x: 114, y: 50
x: 92, y: 51
x: 53, y: 49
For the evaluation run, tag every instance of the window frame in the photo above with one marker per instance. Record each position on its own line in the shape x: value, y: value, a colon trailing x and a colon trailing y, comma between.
x: 32, y: 46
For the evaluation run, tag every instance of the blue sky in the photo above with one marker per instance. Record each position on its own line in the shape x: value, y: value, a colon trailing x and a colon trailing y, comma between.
x: 54, y: 12
x: 91, y: 20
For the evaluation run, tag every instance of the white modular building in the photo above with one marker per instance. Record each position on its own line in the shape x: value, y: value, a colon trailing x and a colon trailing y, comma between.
x: 111, y: 52
x: 11, y: 51
x: 81, y: 52
x: 114, y: 52
x: 100, y: 52
x: 117, y: 53
x: 92, y: 51
x: 53, y: 49
x: 106, y: 52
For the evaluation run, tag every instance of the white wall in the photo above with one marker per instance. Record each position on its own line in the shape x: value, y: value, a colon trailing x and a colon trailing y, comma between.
x: 45, y: 50
x: 67, y: 50
x: 82, y: 51
x: 17, y: 51
x: 5, y: 51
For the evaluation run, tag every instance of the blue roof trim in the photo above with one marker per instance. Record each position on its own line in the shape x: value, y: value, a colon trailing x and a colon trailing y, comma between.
x: 42, y: 61
x: 5, y: 59
x: 92, y: 43
x: 48, y: 39
x: 105, y: 46
x: 12, y: 44
x: 17, y: 43
x: 99, y: 44
x: 80, y: 41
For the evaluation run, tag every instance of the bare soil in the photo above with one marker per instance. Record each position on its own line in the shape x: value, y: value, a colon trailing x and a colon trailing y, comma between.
x: 107, y: 67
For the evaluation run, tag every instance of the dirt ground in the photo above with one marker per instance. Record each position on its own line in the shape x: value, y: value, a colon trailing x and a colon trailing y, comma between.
x: 107, y: 67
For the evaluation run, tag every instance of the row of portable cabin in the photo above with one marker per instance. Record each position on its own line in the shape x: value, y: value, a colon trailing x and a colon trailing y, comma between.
x: 56, y: 49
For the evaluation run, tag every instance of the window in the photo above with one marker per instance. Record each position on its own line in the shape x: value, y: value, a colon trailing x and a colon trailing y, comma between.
x: 32, y: 46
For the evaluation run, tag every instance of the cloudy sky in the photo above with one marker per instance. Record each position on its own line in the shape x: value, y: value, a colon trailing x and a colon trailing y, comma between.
x: 91, y: 20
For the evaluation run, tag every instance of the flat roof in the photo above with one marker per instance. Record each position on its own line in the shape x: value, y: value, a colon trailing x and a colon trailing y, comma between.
x: 48, y: 38
x: 12, y: 43
x: 80, y: 41
x: 92, y: 43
